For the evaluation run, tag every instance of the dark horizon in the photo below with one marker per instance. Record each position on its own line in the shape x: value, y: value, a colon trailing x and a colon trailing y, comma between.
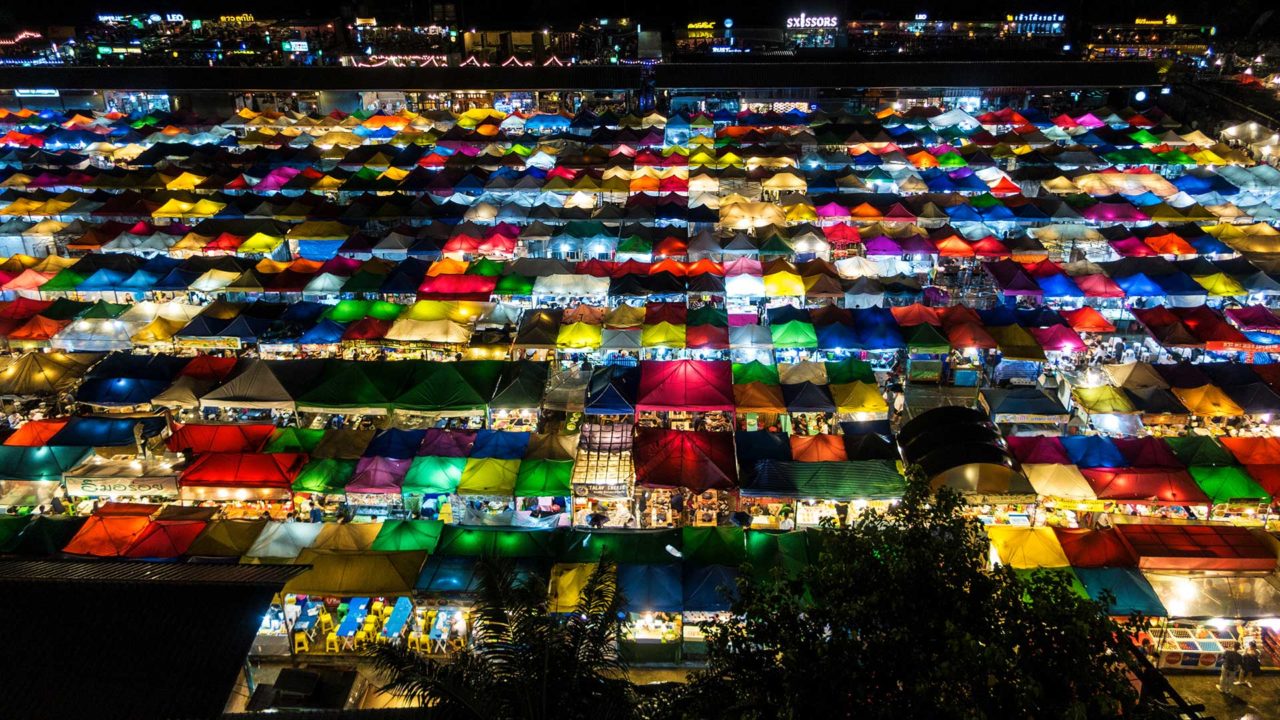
x: 1243, y: 16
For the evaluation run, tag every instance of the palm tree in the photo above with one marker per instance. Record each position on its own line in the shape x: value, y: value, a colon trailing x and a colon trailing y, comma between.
x: 524, y: 661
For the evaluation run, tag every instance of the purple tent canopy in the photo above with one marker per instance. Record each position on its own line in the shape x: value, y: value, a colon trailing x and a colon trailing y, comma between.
x: 379, y: 475
x: 448, y: 443
x: 1012, y: 278
x: 1254, y: 317
x: 881, y: 245
x: 1113, y: 212
x: 918, y: 245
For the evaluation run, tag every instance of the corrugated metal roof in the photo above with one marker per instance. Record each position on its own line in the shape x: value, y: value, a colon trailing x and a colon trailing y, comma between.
x: 123, y: 572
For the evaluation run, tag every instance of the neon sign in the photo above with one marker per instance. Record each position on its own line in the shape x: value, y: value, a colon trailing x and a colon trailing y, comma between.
x: 804, y: 22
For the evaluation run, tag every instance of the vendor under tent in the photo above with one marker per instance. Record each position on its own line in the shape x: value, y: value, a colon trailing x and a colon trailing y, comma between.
x: 123, y: 477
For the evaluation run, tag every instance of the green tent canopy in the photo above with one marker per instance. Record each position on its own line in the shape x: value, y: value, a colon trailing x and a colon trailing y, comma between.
x: 544, y: 478
x: 485, y: 267
x: 834, y: 480
x: 796, y: 333
x: 850, y: 370
x: 1227, y: 483
x: 328, y: 476
x: 475, y: 542
x: 521, y: 386
x: 627, y: 546
x: 1200, y: 450
x: 46, y: 535
x: 756, y: 371
x: 293, y: 440
x: 11, y: 527
x: 925, y: 339
x: 39, y: 463
x: 1076, y: 586
x: 769, y: 550
x: 514, y: 284
x: 714, y: 546
x: 433, y: 475
x: 406, y: 535
x: 440, y: 387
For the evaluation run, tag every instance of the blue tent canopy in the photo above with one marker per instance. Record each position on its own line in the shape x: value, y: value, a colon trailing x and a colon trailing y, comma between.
x: 705, y: 587
x: 1130, y: 589
x: 325, y: 332
x: 1093, y: 451
x: 448, y: 575
x: 395, y: 443
x: 102, y: 432
x: 500, y: 444
x: 1179, y: 283
x: 1139, y: 285
x: 612, y: 390
x: 877, y: 329
x: 837, y: 336
x: 1059, y: 285
x: 651, y: 588
x: 119, y: 391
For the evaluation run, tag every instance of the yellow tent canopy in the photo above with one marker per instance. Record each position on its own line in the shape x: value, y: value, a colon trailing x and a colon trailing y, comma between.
x: 1103, y: 399
x: 860, y: 398
x: 579, y: 336
x: 1027, y: 547
x: 348, y: 574
x: 1053, y: 480
x: 567, y: 583
x: 663, y: 334
x: 1208, y: 401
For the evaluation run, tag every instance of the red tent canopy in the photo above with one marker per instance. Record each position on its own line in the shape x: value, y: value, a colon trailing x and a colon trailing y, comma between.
x: 1035, y: 449
x: 1058, y: 338
x: 818, y: 448
x: 1197, y: 547
x: 111, y: 529
x: 1086, y: 319
x: 242, y: 471
x: 200, y: 438
x: 1147, y: 452
x: 35, y: 433
x: 208, y: 367
x: 685, y: 458
x: 1095, y: 548
x: 698, y: 385
x: 710, y: 337
x: 165, y: 539
x: 1145, y: 485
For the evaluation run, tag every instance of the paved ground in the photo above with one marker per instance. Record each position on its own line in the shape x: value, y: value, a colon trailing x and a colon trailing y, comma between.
x: 1261, y: 702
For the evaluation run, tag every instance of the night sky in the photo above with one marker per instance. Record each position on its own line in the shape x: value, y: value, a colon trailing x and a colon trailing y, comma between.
x: 1242, y: 15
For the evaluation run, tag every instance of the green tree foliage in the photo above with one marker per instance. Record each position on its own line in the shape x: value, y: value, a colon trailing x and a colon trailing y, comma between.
x: 901, y: 616
x: 524, y: 661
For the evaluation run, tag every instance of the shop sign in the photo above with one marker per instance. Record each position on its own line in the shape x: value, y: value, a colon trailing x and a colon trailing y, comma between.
x: 112, y: 19
x: 36, y: 93
x: 234, y: 19
x: 702, y: 25
x: 1036, y: 17
x: 296, y: 46
x: 122, y: 487
x: 808, y: 22
x: 600, y: 490
x: 1169, y: 19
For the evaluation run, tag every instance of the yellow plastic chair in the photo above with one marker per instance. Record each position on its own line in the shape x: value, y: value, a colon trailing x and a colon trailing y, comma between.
x: 376, y: 608
x: 324, y: 623
x: 331, y: 644
x: 415, y: 641
x: 362, y: 638
x: 300, y: 642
